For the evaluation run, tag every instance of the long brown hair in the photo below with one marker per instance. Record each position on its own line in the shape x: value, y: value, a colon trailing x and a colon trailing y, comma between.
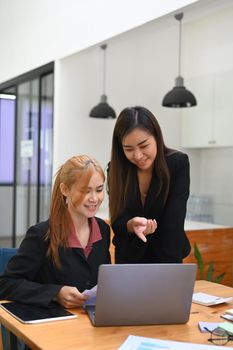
x: 121, y: 171
x: 77, y: 169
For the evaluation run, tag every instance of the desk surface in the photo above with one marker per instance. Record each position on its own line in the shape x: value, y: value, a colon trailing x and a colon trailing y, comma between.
x: 80, y: 334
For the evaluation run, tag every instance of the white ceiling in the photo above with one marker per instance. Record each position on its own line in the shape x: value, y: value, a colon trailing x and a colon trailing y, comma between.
x: 33, y: 33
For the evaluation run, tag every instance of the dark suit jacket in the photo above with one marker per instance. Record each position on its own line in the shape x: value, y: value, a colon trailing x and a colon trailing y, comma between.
x: 31, y: 276
x: 169, y: 243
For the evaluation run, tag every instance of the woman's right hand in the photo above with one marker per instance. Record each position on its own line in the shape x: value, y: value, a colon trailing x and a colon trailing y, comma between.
x: 70, y: 297
x: 141, y: 227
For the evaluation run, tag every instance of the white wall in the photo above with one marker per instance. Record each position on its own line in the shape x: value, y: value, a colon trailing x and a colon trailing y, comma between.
x: 209, y: 49
x: 141, y: 63
x: 217, y: 182
x: 141, y: 67
x: 34, y: 33
x: 133, y: 77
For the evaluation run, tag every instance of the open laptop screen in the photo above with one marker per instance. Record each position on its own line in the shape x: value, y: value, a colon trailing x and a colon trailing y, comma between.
x: 138, y: 294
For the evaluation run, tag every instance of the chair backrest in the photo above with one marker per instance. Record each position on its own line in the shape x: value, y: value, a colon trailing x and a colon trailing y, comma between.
x: 5, y: 255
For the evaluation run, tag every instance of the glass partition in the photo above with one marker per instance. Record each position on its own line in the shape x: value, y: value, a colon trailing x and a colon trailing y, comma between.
x: 26, y: 148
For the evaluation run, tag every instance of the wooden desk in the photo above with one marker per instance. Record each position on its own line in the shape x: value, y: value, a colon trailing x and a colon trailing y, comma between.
x: 80, y: 334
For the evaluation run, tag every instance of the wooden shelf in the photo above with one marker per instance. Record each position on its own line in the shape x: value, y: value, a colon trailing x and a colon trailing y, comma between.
x: 215, y: 245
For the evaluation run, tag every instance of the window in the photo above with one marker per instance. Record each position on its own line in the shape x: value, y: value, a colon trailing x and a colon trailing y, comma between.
x: 7, y: 135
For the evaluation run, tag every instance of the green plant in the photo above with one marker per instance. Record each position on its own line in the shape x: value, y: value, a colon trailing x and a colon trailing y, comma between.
x: 210, y: 269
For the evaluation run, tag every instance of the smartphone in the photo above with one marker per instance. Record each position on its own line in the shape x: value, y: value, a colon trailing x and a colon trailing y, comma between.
x: 227, y: 317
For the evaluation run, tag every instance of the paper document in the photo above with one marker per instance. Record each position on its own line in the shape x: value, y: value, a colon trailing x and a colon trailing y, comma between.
x: 208, y: 299
x: 209, y: 325
x: 90, y: 292
x: 140, y: 343
x: 92, y: 296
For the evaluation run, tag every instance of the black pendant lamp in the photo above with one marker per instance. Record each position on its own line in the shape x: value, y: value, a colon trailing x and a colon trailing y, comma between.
x: 179, y: 96
x: 103, y: 110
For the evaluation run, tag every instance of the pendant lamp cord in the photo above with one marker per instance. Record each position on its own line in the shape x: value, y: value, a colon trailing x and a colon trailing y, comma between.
x: 103, y: 47
x: 179, y: 17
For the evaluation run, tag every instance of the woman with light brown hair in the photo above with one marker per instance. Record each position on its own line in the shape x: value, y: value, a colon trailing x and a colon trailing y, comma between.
x: 59, y: 258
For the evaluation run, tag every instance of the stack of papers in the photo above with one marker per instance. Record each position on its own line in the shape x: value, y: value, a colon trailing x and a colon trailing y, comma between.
x: 208, y: 299
x: 229, y: 311
x: 228, y: 315
x: 140, y: 343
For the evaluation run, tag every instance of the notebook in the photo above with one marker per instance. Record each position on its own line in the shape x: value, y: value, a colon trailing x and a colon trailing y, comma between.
x: 141, y: 294
x: 26, y: 313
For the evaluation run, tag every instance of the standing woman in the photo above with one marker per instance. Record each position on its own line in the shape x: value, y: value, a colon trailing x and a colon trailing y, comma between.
x: 59, y: 258
x: 148, y: 186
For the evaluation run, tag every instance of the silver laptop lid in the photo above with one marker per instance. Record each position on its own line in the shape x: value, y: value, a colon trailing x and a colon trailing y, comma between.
x: 139, y: 294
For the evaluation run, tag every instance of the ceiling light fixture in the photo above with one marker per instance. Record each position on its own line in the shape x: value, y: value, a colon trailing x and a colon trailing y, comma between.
x: 103, y: 110
x: 179, y: 96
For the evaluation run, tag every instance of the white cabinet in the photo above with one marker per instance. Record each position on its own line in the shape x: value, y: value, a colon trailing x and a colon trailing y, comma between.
x: 210, y: 123
x: 223, y: 109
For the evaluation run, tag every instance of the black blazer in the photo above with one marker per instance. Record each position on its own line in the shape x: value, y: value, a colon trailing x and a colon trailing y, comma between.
x: 31, y: 277
x: 169, y: 243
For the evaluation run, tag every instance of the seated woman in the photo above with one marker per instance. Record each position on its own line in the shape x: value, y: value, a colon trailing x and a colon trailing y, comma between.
x: 59, y: 258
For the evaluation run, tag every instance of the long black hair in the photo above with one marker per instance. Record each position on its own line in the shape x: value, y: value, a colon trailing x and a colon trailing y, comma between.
x: 121, y: 171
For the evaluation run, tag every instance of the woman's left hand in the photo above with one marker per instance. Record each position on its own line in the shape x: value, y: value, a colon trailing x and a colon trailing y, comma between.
x: 70, y: 297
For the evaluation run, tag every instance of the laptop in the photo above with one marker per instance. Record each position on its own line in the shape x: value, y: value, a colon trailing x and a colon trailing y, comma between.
x: 142, y: 294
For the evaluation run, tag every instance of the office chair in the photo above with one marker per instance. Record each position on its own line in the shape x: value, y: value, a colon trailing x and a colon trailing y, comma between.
x: 5, y: 255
